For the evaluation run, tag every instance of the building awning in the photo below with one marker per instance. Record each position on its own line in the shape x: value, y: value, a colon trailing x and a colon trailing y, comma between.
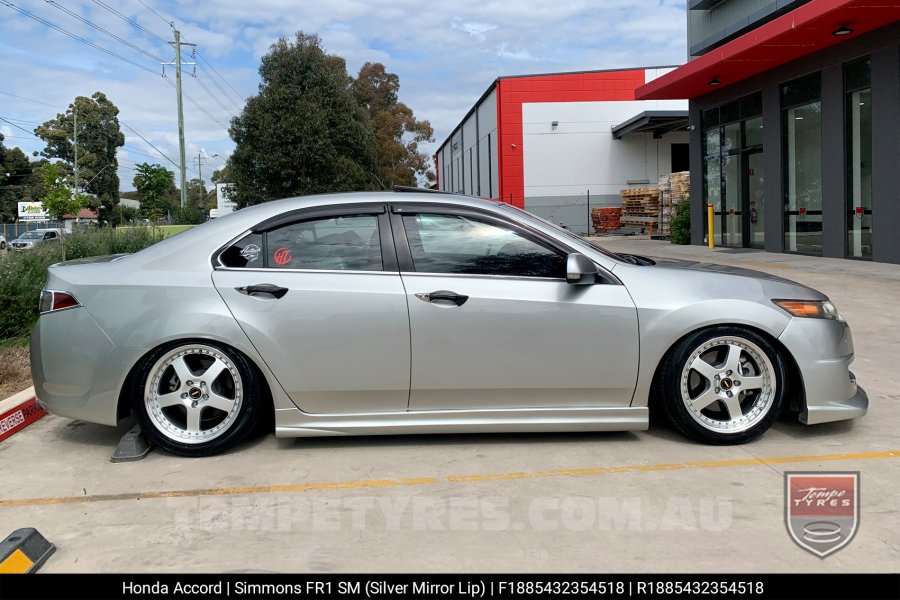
x: 657, y: 122
x: 809, y: 28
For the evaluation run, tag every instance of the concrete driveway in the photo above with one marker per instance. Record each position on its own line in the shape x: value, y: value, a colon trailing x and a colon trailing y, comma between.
x: 648, y: 501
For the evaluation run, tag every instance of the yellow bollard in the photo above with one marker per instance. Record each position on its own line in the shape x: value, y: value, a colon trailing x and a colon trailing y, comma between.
x: 711, y: 229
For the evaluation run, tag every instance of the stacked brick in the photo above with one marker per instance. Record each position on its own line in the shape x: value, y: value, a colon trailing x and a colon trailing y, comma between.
x: 606, y: 220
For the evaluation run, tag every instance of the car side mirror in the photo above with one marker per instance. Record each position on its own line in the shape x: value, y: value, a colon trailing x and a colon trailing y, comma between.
x: 580, y: 270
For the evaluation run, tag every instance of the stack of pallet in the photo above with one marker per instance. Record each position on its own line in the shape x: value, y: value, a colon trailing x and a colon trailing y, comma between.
x: 673, y: 189
x: 606, y: 220
x: 640, y: 206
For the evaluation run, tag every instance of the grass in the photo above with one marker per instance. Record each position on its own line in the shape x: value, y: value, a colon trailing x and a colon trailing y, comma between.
x: 166, y: 230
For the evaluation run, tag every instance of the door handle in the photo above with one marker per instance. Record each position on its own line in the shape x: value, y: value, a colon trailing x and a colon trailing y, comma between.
x: 457, y: 299
x: 263, y: 288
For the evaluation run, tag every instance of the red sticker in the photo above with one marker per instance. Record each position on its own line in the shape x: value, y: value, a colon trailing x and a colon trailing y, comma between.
x: 802, y: 211
x: 282, y: 256
x: 860, y: 210
x: 730, y: 211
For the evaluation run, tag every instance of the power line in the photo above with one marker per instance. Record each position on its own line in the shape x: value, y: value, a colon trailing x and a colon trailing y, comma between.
x: 18, y: 126
x: 129, y: 20
x: 219, y: 87
x: 161, y: 153
x: 238, y: 95
x: 90, y: 23
x: 29, y: 99
x: 74, y: 36
x: 200, y: 108
x: 164, y: 20
x: 213, y: 96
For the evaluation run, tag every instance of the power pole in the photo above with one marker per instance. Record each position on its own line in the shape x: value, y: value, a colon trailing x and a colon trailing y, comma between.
x: 200, y: 159
x: 183, y: 174
x: 75, y: 144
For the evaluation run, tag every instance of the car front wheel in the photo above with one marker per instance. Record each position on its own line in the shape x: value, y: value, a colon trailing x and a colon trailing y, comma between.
x: 197, y: 399
x: 723, y: 385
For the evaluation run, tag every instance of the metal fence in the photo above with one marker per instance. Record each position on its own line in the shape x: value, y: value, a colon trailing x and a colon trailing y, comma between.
x: 13, y: 230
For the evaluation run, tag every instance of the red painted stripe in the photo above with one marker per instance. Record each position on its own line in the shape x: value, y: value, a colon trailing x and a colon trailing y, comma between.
x: 20, y: 417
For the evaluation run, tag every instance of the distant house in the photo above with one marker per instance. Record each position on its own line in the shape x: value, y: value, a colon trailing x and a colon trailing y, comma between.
x: 85, y: 215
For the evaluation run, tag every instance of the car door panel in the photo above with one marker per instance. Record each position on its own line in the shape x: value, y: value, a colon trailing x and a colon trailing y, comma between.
x: 495, y: 341
x: 517, y: 343
x: 337, y: 342
x: 325, y: 307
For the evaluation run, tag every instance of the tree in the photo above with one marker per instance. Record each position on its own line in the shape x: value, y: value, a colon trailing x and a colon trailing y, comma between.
x: 153, y: 184
x: 20, y: 181
x: 59, y: 200
x: 304, y: 133
x: 196, y: 196
x: 99, y: 136
x: 398, y: 133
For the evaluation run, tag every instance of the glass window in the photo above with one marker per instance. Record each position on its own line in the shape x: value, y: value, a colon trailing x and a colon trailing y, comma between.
x: 456, y: 244
x: 858, y: 101
x: 753, y: 132
x: 245, y: 253
x: 349, y: 242
x: 802, y: 134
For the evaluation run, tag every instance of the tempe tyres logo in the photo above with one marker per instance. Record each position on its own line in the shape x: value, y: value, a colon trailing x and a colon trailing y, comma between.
x: 821, y: 510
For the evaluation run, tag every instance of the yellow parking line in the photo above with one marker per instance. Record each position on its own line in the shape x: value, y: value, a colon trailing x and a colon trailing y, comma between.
x: 453, y: 479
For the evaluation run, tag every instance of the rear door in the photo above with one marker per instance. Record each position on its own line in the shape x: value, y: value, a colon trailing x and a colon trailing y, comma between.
x: 320, y: 297
x: 494, y: 325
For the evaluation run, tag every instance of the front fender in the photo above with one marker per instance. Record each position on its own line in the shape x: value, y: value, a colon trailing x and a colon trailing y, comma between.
x: 661, y: 328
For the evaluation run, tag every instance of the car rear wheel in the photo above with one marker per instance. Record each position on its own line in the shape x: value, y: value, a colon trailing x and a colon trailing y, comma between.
x: 724, y: 385
x: 197, y: 399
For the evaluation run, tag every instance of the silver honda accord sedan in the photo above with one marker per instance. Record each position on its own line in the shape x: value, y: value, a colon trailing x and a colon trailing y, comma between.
x: 384, y: 313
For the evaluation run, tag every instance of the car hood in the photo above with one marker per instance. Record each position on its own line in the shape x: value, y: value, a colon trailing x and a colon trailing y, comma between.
x: 692, y: 265
x: 719, y: 281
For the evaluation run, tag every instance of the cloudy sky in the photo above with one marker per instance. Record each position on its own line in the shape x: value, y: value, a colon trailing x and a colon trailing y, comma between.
x: 446, y: 56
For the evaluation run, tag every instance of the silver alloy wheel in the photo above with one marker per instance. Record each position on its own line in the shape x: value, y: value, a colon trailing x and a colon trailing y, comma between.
x: 193, y: 394
x: 728, y: 384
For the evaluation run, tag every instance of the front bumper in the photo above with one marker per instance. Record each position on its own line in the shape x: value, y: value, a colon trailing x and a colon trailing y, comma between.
x: 823, y: 351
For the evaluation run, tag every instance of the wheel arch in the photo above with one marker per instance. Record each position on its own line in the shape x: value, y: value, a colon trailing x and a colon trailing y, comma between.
x: 123, y: 408
x: 795, y: 388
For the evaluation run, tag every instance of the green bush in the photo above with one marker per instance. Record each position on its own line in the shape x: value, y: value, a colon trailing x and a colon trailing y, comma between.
x: 23, y: 274
x: 680, y: 224
x: 188, y: 216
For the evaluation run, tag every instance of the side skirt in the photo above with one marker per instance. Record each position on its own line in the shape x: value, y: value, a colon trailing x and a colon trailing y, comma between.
x: 294, y: 423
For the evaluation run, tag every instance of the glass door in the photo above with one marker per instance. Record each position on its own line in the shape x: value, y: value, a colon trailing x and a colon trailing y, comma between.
x: 754, y: 199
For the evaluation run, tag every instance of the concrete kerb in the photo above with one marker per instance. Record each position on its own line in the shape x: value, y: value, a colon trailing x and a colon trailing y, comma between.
x: 18, y: 412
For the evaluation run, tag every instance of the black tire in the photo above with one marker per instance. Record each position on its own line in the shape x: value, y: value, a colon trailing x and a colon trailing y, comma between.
x: 154, y: 375
x: 681, y: 387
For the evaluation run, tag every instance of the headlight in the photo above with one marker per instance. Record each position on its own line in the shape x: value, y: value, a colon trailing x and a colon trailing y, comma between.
x: 810, y: 309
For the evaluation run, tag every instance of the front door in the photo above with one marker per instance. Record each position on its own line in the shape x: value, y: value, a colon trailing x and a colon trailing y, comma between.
x: 322, y: 301
x: 494, y: 325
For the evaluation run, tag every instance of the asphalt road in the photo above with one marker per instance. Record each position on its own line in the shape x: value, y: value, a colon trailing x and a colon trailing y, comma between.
x: 648, y: 501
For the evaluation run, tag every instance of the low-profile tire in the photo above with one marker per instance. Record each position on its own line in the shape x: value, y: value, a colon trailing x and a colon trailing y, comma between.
x: 197, y: 398
x: 723, y: 385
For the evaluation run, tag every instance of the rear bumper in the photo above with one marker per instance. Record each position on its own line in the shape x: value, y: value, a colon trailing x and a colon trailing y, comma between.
x: 77, y: 371
x: 823, y: 351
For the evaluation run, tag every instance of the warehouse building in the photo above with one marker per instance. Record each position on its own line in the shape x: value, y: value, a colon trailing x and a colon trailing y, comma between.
x: 561, y: 144
x: 794, y: 113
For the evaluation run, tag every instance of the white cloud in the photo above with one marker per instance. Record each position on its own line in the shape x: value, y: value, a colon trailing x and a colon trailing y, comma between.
x: 445, y: 56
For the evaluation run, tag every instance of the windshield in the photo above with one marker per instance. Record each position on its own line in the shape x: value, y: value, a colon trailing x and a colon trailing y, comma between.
x: 32, y: 235
x: 574, y: 238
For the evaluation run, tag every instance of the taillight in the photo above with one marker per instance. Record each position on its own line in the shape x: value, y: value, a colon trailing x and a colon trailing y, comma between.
x: 52, y: 300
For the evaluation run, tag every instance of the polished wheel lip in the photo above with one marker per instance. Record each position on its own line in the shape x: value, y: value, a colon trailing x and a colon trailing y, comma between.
x: 153, y: 401
x: 764, y: 381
